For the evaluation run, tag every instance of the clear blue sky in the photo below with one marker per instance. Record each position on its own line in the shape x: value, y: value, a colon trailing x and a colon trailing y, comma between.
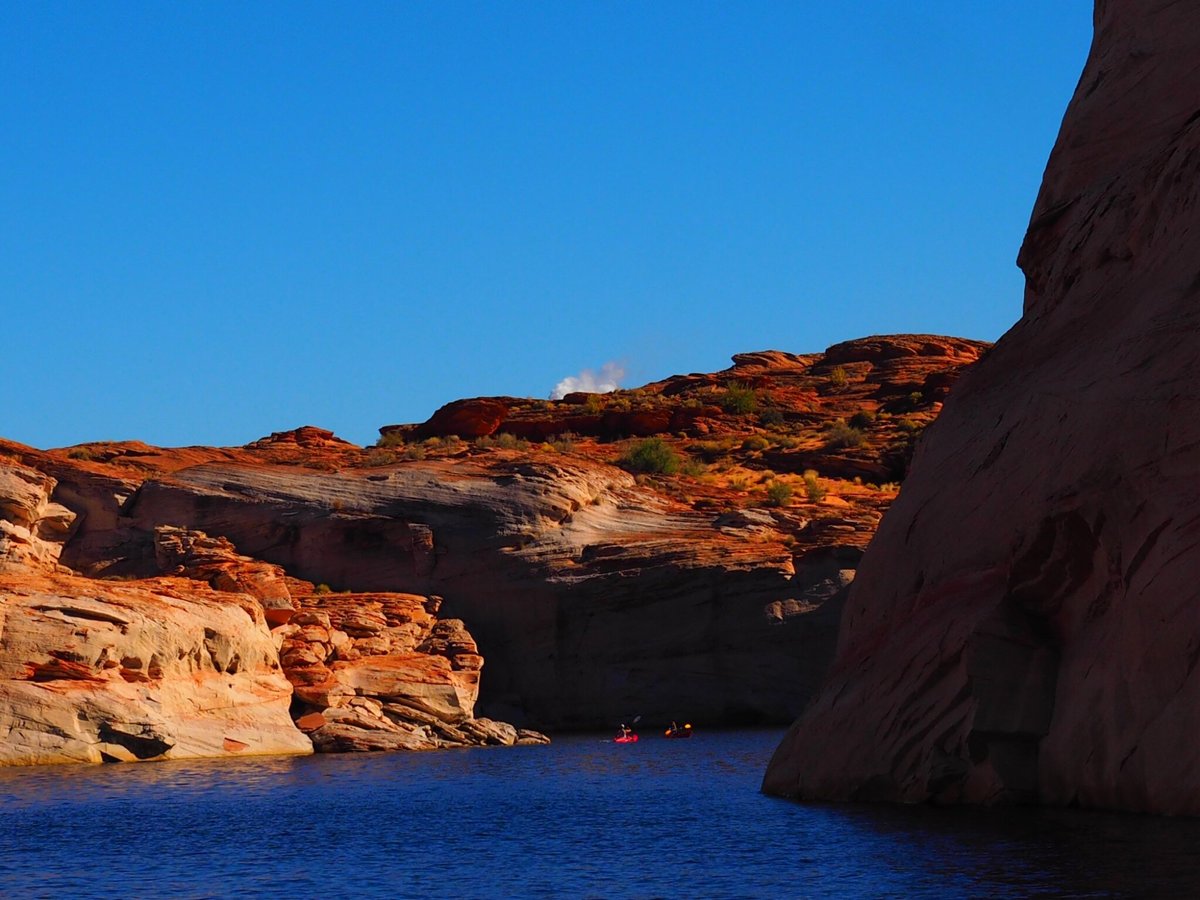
x: 225, y: 219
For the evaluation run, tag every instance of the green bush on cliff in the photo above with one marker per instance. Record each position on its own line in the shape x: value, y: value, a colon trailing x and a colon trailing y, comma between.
x: 864, y: 418
x: 653, y: 456
x: 841, y: 434
x: 779, y: 493
x: 391, y: 439
x: 738, y: 398
x: 380, y: 458
x: 812, y: 487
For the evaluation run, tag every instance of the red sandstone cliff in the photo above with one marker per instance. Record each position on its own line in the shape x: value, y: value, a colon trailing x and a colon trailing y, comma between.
x: 1026, y: 624
x: 593, y: 594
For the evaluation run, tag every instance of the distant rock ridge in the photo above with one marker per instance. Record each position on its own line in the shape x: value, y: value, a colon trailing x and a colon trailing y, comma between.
x: 1024, y: 628
x: 377, y: 580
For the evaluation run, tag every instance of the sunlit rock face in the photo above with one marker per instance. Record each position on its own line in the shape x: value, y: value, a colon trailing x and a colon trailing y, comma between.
x: 96, y: 671
x: 211, y: 653
x: 1025, y: 626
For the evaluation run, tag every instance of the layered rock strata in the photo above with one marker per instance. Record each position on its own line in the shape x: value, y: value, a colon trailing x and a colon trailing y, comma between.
x: 368, y: 671
x: 189, y: 664
x: 95, y: 672
x: 1026, y: 625
x: 595, y: 594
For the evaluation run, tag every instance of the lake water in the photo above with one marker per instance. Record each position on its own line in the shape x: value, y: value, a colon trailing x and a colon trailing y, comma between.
x: 580, y: 818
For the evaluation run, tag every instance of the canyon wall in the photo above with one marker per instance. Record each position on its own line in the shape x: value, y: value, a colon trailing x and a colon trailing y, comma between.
x: 1025, y: 626
x: 113, y: 671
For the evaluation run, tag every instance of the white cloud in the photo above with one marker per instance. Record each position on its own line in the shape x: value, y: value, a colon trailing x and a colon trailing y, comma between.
x: 592, y: 382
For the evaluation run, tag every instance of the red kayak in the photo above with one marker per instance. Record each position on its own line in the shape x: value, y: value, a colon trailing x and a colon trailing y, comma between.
x: 625, y: 739
x: 682, y: 731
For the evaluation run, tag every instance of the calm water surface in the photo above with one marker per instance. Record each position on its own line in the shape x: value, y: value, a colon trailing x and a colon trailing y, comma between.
x: 582, y: 817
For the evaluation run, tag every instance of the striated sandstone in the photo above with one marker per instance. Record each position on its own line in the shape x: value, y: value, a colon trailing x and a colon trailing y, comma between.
x: 1026, y: 626
x: 185, y: 666
x: 109, y: 672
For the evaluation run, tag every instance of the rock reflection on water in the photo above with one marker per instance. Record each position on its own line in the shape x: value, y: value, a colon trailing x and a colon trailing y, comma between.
x: 582, y: 817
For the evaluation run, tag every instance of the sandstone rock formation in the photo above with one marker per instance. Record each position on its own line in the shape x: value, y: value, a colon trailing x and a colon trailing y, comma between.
x: 186, y: 664
x: 594, y: 594
x: 382, y: 672
x: 93, y: 672
x: 1026, y: 624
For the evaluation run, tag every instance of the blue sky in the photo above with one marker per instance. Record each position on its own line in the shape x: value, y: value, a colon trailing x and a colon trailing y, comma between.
x: 225, y: 219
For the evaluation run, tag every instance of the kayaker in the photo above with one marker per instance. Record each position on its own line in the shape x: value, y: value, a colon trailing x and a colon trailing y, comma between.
x: 624, y: 730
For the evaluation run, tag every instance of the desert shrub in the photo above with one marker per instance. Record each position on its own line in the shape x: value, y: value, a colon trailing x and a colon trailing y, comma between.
x: 593, y: 404
x: 322, y: 588
x: 864, y: 418
x: 506, y: 441
x: 621, y: 404
x: 786, y: 442
x: 755, y: 442
x: 563, y: 443
x: 391, y: 439
x: 379, y: 458
x: 738, y: 398
x: 779, y: 493
x: 82, y: 453
x: 651, y: 456
x: 912, y: 426
x: 812, y: 487
x: 770, y: 417
x: 910, y: 402
x: 414, y: 451
x: 711, y: 451
x: 841, y: 434
x: 838, y: 378
x: 692, y: 467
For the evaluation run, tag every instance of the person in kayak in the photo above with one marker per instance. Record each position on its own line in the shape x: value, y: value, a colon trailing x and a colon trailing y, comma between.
x: 624, y: 731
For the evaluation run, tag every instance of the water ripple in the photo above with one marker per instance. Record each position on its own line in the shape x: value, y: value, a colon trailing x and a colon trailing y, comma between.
x: 580, y: 818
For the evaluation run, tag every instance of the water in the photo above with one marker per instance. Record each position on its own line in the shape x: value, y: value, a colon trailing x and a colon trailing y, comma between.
x: 580, y: 818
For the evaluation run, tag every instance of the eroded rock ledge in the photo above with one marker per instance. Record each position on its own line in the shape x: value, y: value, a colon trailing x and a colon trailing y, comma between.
x: 189, y: 663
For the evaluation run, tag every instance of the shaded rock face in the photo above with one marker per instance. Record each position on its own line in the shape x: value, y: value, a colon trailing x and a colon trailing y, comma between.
x: 1026, y: 624
x: 594, y: 598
